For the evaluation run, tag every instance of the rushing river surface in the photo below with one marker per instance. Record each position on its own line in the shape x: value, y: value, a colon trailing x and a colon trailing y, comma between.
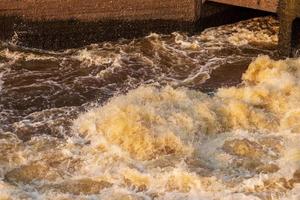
x: 159, y: 117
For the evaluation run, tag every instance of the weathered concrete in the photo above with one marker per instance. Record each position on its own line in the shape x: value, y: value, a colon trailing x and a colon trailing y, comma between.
x: 59, y: 24
x: 288, y: 10
x: 95, y: 10
x: 266, y: 5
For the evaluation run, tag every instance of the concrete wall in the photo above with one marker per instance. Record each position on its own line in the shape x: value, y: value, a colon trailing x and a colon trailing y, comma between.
x: 289, y: 39
x: 93, y: 10
x: 61, y: 24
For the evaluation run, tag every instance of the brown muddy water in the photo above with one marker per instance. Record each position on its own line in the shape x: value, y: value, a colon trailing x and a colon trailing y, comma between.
x: 159, y: 117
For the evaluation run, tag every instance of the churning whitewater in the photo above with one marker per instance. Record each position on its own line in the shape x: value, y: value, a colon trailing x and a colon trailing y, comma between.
x: 133, y: 124
x: 183, y: 144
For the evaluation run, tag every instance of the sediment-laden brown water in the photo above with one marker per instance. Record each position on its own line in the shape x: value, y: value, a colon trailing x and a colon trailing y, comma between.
x: 160, y: 117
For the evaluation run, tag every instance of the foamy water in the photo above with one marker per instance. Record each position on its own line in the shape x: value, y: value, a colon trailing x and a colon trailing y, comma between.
x: 1, y: 82
x: 127, y: 120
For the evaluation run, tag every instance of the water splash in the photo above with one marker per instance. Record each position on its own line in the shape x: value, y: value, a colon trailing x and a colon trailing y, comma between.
x: 113, y: 120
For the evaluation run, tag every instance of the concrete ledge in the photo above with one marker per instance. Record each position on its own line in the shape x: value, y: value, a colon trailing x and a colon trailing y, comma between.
x: 95, y: 10
x: 62, y: 33
x: 59, y: 24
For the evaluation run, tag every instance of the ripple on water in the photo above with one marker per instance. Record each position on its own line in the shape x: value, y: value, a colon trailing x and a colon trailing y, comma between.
x: 126, y: 119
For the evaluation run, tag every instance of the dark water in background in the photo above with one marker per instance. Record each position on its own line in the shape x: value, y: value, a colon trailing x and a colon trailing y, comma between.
x: 42, y: 92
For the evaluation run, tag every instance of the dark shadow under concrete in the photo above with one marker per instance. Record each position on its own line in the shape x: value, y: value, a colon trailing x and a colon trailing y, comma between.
x: 56, y: 35
x: 215, y: 14
x: 59, y: 35
x: 295, y: 43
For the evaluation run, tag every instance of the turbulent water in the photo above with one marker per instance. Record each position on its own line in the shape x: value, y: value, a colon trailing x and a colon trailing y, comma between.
x: 160, y: 117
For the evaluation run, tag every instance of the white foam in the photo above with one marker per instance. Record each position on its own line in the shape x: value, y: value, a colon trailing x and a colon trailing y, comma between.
x: 1, y: 81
